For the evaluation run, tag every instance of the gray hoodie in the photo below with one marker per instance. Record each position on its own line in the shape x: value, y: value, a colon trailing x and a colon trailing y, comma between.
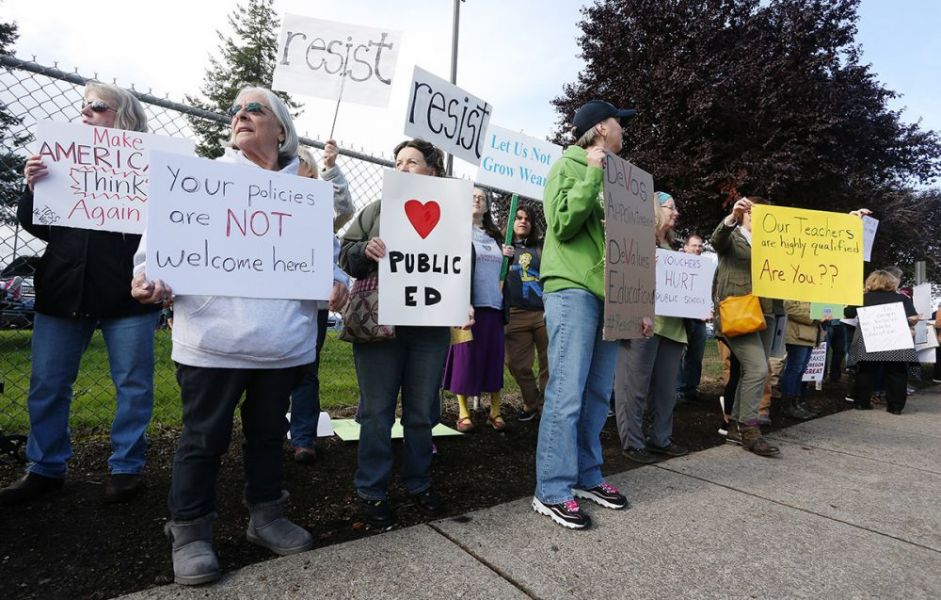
x: 243, y: 333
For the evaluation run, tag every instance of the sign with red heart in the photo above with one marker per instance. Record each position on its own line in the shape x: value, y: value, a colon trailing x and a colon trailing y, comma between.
x: 423, y: 217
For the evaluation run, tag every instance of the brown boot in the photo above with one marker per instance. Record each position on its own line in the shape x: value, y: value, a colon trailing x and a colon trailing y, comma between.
x: 753, y: 441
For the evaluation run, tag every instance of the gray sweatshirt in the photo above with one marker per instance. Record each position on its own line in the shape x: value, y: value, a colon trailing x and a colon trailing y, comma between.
x: 243, y: 333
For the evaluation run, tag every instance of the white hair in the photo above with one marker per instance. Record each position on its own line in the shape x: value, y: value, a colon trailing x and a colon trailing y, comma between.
x: 280, y: 110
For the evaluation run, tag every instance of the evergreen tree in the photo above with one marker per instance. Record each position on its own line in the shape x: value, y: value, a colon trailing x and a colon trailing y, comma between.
x: 11, y: 164
x: 247, y: 58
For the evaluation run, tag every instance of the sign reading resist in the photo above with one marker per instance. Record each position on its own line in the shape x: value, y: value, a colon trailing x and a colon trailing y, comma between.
x: 314, y: 56
x: 220, y: 229
x: 684, y: 285
x: 426, y: 225
x: 98, y: 177
x: 517, y: 163
x: 447, y: 116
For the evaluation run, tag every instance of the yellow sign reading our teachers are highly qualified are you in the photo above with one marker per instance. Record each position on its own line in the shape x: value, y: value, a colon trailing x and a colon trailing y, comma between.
x: 806, y: 255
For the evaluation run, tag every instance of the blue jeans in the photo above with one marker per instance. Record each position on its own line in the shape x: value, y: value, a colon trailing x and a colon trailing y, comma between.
x: 305, y: 399
x: 581, y: 376
x: 414, y: 363
x: 58, y: 345
x: 690, y: 374
x: 797, y: 359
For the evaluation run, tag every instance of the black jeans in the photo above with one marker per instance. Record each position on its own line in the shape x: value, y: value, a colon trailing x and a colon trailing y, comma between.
x: 210, y: 397
x: 895, y: 378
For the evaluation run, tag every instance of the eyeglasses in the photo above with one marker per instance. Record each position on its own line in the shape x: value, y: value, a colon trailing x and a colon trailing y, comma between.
x: 255, y: 108
x: 97, y: 106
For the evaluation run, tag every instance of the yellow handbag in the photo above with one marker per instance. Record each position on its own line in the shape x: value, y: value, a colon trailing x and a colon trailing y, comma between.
x: 740, y: 315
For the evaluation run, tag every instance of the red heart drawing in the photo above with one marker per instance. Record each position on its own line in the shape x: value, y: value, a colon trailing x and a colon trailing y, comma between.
x: 423, y: 217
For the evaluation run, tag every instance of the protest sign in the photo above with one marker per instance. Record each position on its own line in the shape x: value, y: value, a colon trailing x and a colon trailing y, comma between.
x: 98, y: 177
x: 806, y: 255
x: 870, y: 226
x: 921, y: 298
x: 314, y: 57
x: 447, y: 116
x: 630, y: 270
x: 684, y: 285
x: 221, y: 229
x: 517, y: 163
x: 822, y: 310
x: 817, y: 364
x: 884, y: 327
x: 426, y: 225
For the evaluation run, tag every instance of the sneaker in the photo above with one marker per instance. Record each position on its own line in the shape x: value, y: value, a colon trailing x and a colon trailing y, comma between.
x: 429, y: 503
x: 911, y: 390
x: 377, y: 513
x: 849, y: 399
x: 605, y: 494
x: 671, y: 450
x: 567, y: 514
x: 640, y: 456
x: 526, y: 415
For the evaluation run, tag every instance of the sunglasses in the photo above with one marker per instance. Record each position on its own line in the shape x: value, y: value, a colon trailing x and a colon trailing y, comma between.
x: 96, y: 106
x: 255, y: 108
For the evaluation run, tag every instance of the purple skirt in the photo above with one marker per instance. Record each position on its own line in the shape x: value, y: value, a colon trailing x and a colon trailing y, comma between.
x: 476, y: 367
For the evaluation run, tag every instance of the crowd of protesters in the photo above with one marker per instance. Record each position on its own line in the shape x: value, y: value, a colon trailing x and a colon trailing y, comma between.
x: 549, y: 307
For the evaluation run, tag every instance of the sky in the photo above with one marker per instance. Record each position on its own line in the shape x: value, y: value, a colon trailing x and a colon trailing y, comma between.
x: 515, y: 55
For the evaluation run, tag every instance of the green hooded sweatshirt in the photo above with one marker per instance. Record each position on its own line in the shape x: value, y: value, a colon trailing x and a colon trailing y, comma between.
x: 573, y: 255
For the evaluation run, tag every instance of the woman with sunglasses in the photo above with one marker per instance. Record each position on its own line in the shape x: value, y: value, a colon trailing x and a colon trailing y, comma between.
x: 225, y: 347
x: 81, y: 284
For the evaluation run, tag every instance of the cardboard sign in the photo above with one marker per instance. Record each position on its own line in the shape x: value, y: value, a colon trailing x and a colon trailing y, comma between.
x: 314, y: 57
x: 684, y: 285
x: 884, y: 327
x: 426, y: 225
x: 447, y: 116
x: 921, y: 298
x: 98, y: 177
x: 817, y: 364
x: 630, y: 269
x: 870, y: 226
x: 806, y: 255
x: 822, y: 310
x: 516, y: 163
x: 222, y: 229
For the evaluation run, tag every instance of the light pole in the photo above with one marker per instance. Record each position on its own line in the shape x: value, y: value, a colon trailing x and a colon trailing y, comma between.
x: 455, y: 27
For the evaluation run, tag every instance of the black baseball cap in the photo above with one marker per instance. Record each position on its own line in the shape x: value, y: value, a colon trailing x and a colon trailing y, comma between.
x: 595, y: 111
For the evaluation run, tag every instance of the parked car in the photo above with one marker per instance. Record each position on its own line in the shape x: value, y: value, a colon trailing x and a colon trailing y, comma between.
x: 17, y: 298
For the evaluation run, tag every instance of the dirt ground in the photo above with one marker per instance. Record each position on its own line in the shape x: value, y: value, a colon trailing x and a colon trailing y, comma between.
x: 74, y: 546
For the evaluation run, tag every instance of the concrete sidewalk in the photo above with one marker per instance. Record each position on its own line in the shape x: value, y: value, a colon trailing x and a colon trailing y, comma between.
x: 852, y: 509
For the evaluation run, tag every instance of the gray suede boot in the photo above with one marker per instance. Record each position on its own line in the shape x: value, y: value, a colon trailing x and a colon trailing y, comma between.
x: 269, y: 528
x: 194, y: 560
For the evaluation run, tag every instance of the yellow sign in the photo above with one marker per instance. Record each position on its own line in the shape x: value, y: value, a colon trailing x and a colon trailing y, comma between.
x: 806, y: 255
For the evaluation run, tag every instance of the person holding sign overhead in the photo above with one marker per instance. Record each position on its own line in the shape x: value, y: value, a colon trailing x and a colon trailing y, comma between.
x: 476, y: 366
x: 81, y: 284
x: 581, y: 363
x: 410, y: 361
x: 225, y: 347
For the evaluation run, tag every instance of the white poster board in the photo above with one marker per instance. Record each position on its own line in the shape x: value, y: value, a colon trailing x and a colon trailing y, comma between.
x: 222, y: 229
x: 426, y: 225
x: 817, y: 364
x: 885, y: 327
x: 314, y: 55
x: 98, y: 177
x: 684, y: 285
x: 516, y: 163
x: 921, y: 298
x: 870, y: 226
x: 447, y: 116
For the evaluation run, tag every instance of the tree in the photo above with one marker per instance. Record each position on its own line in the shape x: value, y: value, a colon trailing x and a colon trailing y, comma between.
x: 765, y: 97
x: 11, y: 164
x: 247, y: 58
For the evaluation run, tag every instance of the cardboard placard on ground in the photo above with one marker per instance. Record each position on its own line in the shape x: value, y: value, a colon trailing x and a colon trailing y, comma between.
x: 221, y: 229
x: 313, y: 56
x: 684, y: 285
x: 516, y: 163
x: 426, y: 225
x: 447, y: 116
x: 806, y: 255
x: 98, y: 177
x: 630, y: 270
x: 817, y: 364
x: 885, y: 327
x: 870, y: 226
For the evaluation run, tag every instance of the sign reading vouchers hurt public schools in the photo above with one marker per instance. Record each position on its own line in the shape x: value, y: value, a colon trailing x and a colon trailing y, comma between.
x: 806, y: 255
x: 630, y: 268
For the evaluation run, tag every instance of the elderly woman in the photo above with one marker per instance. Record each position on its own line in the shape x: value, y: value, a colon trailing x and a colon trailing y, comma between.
x: 225, y: 347
x: 647, y: 369
x: 81, y: 284
x: 411, y: 362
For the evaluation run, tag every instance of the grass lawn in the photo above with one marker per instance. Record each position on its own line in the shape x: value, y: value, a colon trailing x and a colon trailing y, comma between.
x: 93, y: 405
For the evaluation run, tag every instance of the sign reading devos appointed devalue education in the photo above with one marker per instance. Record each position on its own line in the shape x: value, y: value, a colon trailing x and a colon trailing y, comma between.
x: 516, y: 163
